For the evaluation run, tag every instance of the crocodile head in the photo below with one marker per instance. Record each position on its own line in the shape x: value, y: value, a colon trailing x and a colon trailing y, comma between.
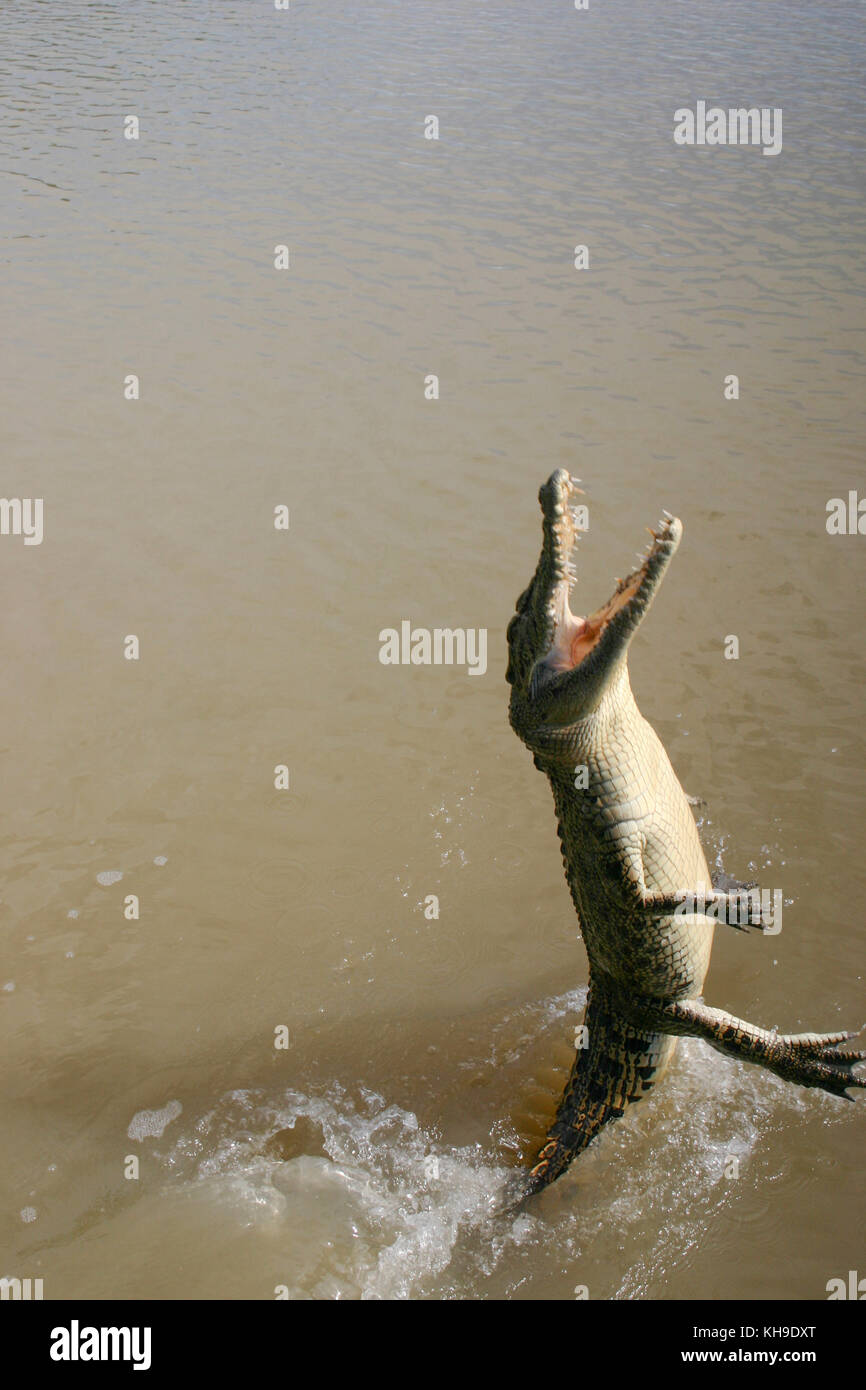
x: 560, y: 667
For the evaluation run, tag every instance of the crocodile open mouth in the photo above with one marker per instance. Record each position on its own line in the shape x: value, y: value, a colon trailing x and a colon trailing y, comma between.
x: 575, y: 638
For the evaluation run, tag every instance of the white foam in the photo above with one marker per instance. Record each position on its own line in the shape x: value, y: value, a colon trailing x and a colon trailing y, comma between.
x: 383, y: 1209
x: 150, y: 1124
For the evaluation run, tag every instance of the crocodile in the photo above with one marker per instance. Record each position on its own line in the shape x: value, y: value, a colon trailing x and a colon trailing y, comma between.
x: 631, y: 851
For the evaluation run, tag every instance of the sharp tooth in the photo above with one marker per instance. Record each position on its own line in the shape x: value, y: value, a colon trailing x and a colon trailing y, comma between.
x: 667, y: 515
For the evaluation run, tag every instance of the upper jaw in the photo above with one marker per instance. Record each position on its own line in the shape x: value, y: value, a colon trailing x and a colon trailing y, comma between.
x: 569, y: 654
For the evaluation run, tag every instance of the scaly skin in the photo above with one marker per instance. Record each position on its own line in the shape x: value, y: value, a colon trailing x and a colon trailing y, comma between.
x: 630, y: 848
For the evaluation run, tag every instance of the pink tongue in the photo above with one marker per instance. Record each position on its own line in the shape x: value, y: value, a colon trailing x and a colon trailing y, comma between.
x: 579, y: 627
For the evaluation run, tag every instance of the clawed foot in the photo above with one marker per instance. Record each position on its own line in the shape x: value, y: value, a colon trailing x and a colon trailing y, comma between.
x: 808, y: 1059
x: 761, y: 914
x: 741, y: 908
x: 814, y: 1061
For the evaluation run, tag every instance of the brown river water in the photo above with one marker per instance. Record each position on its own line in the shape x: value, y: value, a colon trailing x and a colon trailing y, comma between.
x: 366, y: 1158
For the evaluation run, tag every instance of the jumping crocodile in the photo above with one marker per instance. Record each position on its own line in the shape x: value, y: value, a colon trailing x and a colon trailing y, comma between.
x: 630, y: 848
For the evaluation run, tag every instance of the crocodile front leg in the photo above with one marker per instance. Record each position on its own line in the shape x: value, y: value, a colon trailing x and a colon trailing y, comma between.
x: 740, y: 910
x: 809, y: 1059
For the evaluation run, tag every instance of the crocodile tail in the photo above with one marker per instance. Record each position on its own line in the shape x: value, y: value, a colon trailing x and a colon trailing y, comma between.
x: 617, y: 1065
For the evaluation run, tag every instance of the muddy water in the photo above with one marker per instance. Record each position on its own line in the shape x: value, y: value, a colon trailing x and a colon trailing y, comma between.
x: 365, y: 1159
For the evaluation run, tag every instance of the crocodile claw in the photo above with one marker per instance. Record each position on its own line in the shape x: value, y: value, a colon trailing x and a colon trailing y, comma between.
x: 835, y: 1070
x: 812, y: 1059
